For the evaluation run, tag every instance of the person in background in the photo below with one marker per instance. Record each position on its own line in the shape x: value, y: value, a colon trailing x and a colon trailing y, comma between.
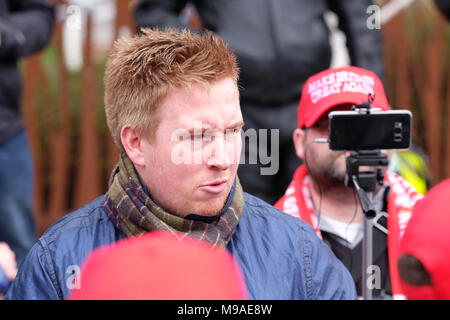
x: 209, y: 273
x: 318, y: 194
x: 25, y: 28
x: 425, y: 248
x: 279, y: 44
x: 172, y: 107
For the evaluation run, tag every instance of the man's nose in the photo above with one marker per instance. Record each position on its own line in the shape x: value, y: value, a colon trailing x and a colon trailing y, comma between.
x: 219, y: 156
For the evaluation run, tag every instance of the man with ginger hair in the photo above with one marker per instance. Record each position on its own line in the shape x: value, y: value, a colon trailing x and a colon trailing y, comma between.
x: 171, y: 93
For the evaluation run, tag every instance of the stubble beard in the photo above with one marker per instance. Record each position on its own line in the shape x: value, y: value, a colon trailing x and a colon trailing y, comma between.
x: 204, y: 208
x: 329, y: 173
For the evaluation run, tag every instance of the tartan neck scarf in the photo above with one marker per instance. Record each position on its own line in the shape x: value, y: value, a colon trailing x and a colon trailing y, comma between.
x: 133, y: 211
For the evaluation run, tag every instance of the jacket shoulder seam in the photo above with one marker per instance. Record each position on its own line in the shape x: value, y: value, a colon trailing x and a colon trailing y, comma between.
x: 50, y: 267
x: 62, y: 224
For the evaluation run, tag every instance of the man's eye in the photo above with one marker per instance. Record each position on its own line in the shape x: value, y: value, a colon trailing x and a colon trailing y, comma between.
x: 197, y: 137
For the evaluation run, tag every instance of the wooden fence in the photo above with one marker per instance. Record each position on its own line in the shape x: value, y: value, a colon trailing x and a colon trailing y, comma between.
x: 74, y: 154
x: 417, y: 51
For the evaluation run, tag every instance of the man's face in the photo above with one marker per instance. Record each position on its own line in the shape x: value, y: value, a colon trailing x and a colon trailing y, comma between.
x: 327, y: 166
x: 191, y: 163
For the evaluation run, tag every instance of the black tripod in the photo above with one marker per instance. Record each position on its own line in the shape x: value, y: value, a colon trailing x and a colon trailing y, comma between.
x: 365, y: 184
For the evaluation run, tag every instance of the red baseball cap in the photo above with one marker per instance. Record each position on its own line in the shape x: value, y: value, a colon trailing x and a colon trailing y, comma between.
x: 427, y: 238
x: 160, y: 266
x: 337, y: 86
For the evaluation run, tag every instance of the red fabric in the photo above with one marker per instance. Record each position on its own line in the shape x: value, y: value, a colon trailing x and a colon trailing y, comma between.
x: 400, y: 203
x: 297, y: 201
x: 160, y: 266
x: 393, y: 244
x: 428, y: 239
x: 332, y: 87
x: 402, y: 199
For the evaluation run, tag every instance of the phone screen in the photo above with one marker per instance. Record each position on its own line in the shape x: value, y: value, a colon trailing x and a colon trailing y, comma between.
x: 351, y: 130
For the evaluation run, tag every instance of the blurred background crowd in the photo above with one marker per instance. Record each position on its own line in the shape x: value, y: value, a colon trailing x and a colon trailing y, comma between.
x: 63, y: 95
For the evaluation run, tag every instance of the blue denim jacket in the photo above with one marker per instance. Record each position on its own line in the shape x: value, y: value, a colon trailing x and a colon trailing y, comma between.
x: 4, y: 281
x: 281, y: 257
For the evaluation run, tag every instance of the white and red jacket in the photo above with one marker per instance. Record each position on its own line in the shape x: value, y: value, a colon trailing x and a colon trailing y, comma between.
x: 402, y: 197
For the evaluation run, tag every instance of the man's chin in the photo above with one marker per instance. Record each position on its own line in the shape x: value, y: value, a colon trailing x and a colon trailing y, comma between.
x: 332, y: 180
x: 211, y: 205
x: 209, y: 208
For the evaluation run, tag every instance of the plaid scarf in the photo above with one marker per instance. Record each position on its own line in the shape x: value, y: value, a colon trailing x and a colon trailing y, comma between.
x: 133, y: 212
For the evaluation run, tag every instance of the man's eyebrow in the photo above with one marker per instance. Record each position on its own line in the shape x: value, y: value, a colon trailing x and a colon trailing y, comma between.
x: 196, y: 129
x: 236, y: 124
x: 205, y: 127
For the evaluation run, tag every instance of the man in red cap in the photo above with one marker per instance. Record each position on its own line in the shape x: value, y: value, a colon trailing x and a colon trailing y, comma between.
x: 318, y: 194
x: 209, y: 273
x: 425, y: 248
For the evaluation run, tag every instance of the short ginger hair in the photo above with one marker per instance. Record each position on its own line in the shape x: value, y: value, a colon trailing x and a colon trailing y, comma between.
x: 141, y: 70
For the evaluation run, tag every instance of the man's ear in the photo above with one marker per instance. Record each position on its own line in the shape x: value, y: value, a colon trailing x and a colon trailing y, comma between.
x: 132, y: 144
x: 299, y: 142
